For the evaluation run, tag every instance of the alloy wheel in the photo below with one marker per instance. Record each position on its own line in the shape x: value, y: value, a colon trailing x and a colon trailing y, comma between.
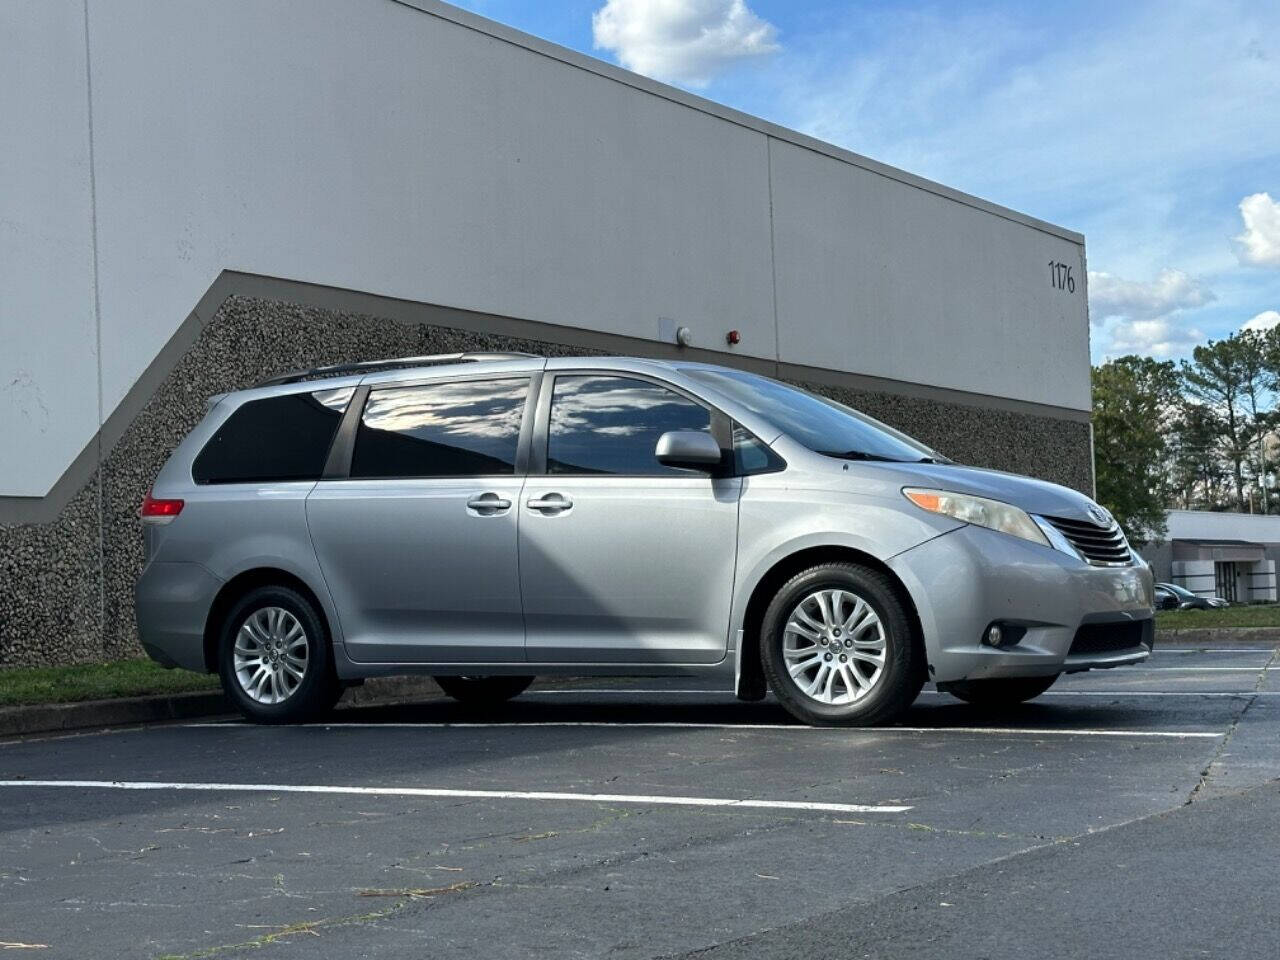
x: 270, y: 655
x: 834, y: 647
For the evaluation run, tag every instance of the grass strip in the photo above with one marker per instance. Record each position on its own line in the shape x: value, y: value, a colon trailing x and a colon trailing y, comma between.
x: 1256, y: 615
x: 20, y: 686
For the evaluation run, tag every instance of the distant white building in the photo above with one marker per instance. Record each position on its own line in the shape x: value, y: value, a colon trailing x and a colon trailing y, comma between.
x: 1230, y: 555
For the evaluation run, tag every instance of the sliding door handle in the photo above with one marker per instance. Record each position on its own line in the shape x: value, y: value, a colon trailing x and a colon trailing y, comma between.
x: 551, y: 504
x: 488, y: 505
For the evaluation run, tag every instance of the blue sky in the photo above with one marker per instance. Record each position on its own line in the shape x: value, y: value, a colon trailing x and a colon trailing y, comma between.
x: 1146, y: 126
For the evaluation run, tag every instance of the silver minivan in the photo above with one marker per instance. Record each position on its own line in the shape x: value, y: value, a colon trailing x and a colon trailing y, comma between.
x: 488, y: 518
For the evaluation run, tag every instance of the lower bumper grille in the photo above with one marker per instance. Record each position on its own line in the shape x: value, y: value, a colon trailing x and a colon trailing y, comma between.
x: 1102, y: 638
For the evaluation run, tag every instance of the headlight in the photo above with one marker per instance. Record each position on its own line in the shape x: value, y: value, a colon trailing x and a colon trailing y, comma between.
x: 979, y: 511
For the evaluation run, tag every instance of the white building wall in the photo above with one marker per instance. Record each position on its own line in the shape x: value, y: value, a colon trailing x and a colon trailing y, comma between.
x: 48, y: 331
x: 1207, y: 525
x: 1262, y: 581
x: 1196, y: 576
x: 370, y: 145
x: 882, y: 278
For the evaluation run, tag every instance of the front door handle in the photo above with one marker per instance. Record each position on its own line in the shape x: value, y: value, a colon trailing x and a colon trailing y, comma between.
x: 488, y: 505
x: 551, y: 504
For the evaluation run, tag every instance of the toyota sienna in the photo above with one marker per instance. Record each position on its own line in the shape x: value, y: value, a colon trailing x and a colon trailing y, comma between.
x: 487, y: 518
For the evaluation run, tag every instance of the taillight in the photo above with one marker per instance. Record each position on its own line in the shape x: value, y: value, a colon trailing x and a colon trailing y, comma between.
x: 159, y: 511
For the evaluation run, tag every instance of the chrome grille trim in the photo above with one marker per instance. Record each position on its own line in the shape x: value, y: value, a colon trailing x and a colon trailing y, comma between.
x: 1102, y: 546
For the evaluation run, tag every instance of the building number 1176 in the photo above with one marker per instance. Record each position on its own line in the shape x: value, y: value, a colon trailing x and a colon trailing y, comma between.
x: 1060, y: 277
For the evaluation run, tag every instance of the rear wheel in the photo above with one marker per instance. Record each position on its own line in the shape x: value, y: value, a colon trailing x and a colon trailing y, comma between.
x: 274, y: 657
x: 1002, y: 692
x: 838, y: 647
x: 483, y: 691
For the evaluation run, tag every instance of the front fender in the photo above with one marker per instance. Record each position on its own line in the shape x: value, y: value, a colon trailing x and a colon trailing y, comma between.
x: 777, y: 523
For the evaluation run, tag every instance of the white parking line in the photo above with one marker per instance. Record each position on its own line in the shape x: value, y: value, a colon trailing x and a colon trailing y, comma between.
x: 1259, y: 668
x: 624, y: 690
x: 1263, y: 650
x: 1121, y: 692
x: 779, y: 727
x: 1051, y: 732
x: 462, y: 794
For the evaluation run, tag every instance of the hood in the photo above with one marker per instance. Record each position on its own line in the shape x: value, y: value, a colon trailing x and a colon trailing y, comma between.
x: 1033, y: 496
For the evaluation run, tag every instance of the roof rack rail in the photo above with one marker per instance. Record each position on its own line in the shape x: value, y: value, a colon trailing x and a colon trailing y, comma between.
x: 369, y: 366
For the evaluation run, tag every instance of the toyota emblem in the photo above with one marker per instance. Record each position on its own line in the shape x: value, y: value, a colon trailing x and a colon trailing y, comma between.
x: 1100, y: 516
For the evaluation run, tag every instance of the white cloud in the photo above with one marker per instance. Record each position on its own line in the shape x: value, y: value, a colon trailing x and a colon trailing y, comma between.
x: 681, y: 41
x: 1160, y: 337
x: 1130, y: 316
x: 1259, y: 245
x: 1172, y: 290
x: 1263, y: 321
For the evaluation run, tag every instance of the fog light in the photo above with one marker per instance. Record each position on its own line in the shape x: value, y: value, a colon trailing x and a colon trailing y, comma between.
x: 1002, y: 634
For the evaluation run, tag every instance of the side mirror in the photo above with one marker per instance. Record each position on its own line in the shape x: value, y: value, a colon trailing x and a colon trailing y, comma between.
x: 688, y: 448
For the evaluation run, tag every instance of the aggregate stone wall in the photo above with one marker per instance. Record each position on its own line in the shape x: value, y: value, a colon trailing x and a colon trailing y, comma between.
x: 66, y: 587
x: 51, y: 585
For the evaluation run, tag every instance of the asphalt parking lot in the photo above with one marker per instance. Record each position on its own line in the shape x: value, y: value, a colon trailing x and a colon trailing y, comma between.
x: 1133, y: 812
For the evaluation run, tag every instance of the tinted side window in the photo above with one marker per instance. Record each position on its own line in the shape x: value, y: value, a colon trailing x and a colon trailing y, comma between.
x: 467, y: 428
x: 273, y: 439
x: 611, y: 425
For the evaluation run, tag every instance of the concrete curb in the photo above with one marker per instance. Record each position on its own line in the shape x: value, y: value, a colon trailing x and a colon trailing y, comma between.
x: 54, y: 717
x: 50, y: 717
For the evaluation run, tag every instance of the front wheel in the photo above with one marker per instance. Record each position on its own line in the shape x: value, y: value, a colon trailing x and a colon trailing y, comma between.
x: 1001, y: 692
x: 483, y: 691
x: 839, y: 649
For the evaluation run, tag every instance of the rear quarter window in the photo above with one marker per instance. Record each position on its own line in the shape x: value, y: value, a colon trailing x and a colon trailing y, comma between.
x: 464, y: 428
x: 273, y: 439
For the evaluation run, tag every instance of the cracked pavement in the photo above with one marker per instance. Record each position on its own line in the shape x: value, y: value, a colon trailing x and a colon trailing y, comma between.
x: 1129, y: 812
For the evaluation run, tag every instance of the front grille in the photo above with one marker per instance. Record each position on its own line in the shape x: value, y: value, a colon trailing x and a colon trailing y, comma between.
x: 1097, y: 544
x: 1093, y: 638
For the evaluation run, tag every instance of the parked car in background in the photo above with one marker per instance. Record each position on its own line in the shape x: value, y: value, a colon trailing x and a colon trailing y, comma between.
x: 1186, y: 600
x: 1166, y: 599
x: 488, y: 518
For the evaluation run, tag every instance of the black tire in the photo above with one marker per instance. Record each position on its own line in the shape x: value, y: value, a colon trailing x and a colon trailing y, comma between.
x: 900, y: 678
x: 1002, y: 692
x: 318, y: 689
x: 483, y: 691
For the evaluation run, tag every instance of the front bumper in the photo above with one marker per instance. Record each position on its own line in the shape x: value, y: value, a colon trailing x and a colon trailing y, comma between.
x: 965, y: 580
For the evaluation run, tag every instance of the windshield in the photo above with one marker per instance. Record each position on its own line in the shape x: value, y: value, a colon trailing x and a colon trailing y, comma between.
x: 822, y: 425
x: 1178, y: 591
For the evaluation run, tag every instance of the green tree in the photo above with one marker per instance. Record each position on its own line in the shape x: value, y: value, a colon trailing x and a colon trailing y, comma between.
x: 1134, y: 398
x: 1196, y: 478
x: 1218, y: 377
x: 1256, y: 380
x: 1269, y: 343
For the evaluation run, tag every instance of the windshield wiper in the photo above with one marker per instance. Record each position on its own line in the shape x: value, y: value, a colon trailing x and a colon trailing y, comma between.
x: 860, y: 455
x: 877, y: 457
